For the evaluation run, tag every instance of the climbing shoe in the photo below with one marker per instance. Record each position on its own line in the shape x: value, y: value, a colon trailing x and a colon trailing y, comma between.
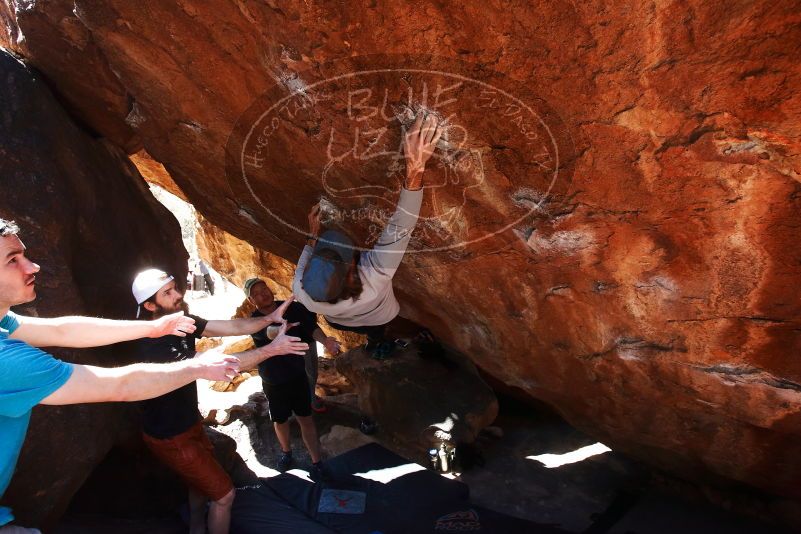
x: 431, y: 349
x: 383, y: 350
x: 367, y: 426
x: 318, y: 405
x: 319, y: 472
x: 284, y: 461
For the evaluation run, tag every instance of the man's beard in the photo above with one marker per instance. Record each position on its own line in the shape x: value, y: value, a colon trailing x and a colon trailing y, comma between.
x: 161, y: 311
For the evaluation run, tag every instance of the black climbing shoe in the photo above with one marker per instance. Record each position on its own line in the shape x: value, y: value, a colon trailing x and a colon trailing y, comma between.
x: 367, y: 426
x: 319, y: 473
x: 431, y: 349
x: 383, y: 351
x: 284, y: 461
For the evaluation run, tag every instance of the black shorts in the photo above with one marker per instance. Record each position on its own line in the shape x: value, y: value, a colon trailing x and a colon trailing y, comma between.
x: 373, y: 333
x: 283, y: 399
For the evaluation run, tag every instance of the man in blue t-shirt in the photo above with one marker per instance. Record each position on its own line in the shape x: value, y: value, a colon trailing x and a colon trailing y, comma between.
x: 30, y: 376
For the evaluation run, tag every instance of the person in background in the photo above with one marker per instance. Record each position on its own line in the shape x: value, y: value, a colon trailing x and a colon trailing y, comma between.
x: 284, y: 378
x: 204, y: 270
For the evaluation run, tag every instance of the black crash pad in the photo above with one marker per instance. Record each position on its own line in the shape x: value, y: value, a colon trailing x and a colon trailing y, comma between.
x: 420, y: 501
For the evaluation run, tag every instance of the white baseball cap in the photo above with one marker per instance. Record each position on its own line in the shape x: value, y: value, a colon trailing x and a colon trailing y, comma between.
x: 147, y: 283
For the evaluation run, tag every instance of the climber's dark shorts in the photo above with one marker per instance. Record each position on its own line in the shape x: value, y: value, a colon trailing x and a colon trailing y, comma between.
x: 191, y: 456
x: 375, y: 334
x: 283, y: 399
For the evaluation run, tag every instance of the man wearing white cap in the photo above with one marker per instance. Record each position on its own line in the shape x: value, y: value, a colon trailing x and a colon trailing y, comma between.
x: 171, y: 423
x: 29, y: 376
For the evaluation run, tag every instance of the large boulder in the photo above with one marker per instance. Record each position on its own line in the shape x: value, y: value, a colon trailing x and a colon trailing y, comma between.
x: 420, y: 403
x: 611, y: 225
x: 61, y: 46
x: 88, y: 219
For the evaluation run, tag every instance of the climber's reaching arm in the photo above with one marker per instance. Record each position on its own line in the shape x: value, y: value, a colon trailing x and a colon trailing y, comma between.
x: 297, y: 286
x: 419, y: 144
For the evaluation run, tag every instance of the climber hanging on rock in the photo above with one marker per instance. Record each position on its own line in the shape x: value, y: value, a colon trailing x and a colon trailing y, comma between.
x: 353, y: 289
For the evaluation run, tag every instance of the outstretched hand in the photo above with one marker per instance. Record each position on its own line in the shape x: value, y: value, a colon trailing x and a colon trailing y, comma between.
x: 314, y: 221
x: 419, y: 144
x: 277, y: 317
x: 332, y: 346
x: 284, y: 344
x: 216, y: 366
x: 175, y: 324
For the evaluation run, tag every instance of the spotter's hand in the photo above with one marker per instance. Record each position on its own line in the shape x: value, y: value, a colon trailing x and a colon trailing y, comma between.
x: 175, y: 324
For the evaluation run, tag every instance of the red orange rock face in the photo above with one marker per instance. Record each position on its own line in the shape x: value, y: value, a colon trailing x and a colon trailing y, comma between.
x: 339, y: 138
x: 652, y: 300
x: 86, y: 217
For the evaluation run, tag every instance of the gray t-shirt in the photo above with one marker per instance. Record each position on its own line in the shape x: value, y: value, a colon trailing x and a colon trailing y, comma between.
x: 377, y: 304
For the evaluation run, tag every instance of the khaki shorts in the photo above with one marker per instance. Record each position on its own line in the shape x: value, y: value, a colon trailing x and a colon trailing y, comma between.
x: 191, y: 456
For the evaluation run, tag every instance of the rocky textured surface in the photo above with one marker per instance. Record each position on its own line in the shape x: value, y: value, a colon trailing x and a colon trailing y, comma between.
x: 645, y: 289
x: 59, y: 45
x: 88, y: 219
x: 155, y: 173
x: 420, y: 403
x: 342, y: 439
x: 238, y: 260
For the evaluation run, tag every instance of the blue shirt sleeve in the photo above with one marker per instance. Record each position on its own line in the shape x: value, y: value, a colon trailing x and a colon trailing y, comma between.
x: 8, y: 324
x: 27, y: 375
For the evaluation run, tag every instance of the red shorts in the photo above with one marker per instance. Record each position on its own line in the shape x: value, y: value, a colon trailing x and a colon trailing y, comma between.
x: 191, y: 456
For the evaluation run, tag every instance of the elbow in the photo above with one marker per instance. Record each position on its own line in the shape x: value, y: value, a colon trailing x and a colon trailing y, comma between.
x: 121, y: 390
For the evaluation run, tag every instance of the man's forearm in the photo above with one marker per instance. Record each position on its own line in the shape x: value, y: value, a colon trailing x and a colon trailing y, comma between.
x: 414, y: 180
x: 130, y: 383
x: 79, y: 332
x: 250, y: 359
x: 145, y: 381
x: 235, y: 327
x: 319, y: 336
x: 387, y: 254
x: 302, y: 261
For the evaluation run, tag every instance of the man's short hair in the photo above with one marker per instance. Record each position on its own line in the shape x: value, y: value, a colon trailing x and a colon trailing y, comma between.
x: 8, y: 228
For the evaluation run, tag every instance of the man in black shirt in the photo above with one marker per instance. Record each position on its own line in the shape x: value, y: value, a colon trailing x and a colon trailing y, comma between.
x: 286, y: 384
x: 172, y: 424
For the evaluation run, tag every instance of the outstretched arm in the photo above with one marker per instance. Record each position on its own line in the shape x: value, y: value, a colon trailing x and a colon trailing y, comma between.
x: 81, y: 332
x: 141, y: 381
x: 419, y: 144
x: 305, y: 256
x: 282, y: 344
x: 246, y: 326
x: 330, y: 343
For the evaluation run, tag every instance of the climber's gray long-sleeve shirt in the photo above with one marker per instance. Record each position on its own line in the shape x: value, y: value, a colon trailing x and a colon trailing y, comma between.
x: 377, y: 304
